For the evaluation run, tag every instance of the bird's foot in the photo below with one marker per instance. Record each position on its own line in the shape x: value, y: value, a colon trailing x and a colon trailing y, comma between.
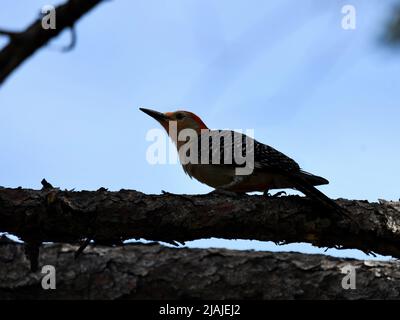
x: 276, y: 195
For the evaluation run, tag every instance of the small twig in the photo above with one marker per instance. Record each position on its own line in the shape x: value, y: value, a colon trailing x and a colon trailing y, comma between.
x: 82, y: 247
x: 46, y: 185
x: 370, y: 253
x: 90, y: 232
x: 11, y: 34
x: 32, y: 253
x: 171, y: 242
x: 72, y: 44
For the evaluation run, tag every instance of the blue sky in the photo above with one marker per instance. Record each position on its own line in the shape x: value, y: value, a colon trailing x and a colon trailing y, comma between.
x: 325, y: 96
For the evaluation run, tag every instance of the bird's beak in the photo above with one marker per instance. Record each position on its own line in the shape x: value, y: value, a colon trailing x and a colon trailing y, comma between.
x: 160, y: 117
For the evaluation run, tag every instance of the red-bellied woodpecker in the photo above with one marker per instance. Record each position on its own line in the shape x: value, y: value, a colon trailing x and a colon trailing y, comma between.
x: 262, y: 169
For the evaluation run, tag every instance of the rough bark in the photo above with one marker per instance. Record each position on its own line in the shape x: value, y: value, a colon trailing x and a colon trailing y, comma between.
x: 23, y: 44
x: 109, y: 218
x: 152, y: 271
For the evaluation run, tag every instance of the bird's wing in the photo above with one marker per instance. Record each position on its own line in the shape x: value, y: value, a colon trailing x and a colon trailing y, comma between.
x: 265, y: 157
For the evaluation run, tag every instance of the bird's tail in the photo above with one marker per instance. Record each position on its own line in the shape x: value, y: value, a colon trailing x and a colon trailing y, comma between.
x: 309, y: 190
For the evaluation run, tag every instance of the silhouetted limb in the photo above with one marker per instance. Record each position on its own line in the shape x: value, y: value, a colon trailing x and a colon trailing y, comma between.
x: 23, y: 44
x: 151, y: 271
x: 53, y: 215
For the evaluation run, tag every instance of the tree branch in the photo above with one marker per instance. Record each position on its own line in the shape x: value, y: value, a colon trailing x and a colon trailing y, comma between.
x: 23, y: 44
x: 8, y: 33
x: 111, y: 217
x: 156, y: 272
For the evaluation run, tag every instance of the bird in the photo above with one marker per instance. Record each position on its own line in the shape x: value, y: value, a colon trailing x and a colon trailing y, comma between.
x: 271, y: 168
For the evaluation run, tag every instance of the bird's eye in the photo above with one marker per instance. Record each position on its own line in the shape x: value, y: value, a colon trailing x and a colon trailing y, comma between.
x: 179, y: 116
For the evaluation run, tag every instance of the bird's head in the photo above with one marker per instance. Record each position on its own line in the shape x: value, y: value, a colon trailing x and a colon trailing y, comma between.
x: 183, y: 119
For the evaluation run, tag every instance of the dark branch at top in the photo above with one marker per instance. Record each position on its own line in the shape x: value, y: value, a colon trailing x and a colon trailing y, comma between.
x: 23, y: 44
